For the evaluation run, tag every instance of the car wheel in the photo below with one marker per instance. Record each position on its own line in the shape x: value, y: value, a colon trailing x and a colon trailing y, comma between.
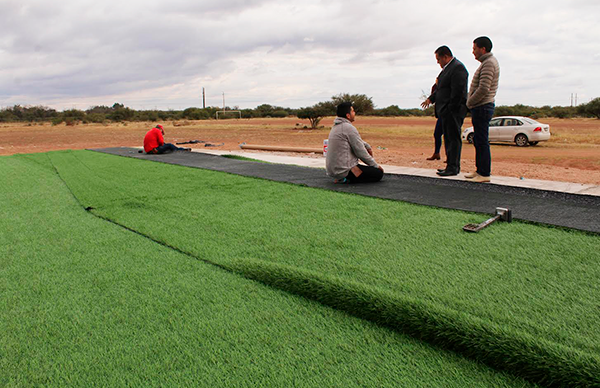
x: 470, y: 137
x: 521, y: 140
x: 532, y: 143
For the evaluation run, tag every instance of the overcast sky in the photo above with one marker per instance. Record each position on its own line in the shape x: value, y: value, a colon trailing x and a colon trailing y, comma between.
x: 159, y: 54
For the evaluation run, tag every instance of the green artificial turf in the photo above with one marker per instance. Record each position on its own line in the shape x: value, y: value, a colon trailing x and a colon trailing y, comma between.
x: 518, y: 296
x: 522, y: 297
x: 85, y: 302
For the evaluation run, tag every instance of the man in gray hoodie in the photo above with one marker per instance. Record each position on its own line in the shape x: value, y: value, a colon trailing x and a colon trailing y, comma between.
x: 345, y: 148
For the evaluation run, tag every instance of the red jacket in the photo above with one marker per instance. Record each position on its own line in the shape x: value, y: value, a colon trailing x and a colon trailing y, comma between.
x: 153, y: 139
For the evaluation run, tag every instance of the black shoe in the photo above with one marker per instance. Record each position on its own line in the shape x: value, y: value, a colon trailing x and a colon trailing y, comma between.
x: 441, y: 169
x: 447, y: 173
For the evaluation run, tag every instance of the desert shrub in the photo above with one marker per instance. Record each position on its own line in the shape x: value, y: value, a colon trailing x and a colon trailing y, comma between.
x: 591, y: 109
x: 167, y: 115
x: 27, y: 113
x: 247, y: 113
x: 563, y: 112
x: 146, y: 115
x: 280, y: 113
x: 392, y: 110
x: 94, y: 118
x: 6, y: 116
x: 121, y: 114
x: 74, y: 114
x: 195, y: 114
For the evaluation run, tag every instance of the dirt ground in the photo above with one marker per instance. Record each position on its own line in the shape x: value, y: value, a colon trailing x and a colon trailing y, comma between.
x: 571, y: 155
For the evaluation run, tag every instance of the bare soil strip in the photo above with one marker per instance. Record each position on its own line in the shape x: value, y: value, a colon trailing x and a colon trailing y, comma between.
x: 571, y: 155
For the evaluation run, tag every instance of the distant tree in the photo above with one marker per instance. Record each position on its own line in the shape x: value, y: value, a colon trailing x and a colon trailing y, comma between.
x: 195, y: 114
x: 363, y: 105
x: 121, y: 113
x: 315, y: 113
x: 103, y: 109
x: 38, y: 113
x: 392, y: 110
x: 503, y: 110
x: 146, y: 115
x: 563, y: 112
x: 592, y: 108
x: 94, y: 118
x: 74, y: 114
x: 247, y: 113
x: 280, y: 113
x: 7, y: 116
x: 18, y: 112
x: 311, y: 114
x: 70, y: 117
x: 27, y: 113
x: 264, y: 110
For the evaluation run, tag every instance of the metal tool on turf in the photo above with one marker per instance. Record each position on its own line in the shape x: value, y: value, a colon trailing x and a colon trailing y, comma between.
x: 502, y: 214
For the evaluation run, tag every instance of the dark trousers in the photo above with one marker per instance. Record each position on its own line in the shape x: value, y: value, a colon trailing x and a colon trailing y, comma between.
x: 369, y: 175
x: 481, y: 116
x: 451, y: 125
x: 437, y: 136
x: 167, y: 148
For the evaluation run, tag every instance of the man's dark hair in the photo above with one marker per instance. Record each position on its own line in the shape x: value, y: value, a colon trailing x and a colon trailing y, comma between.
x: 343, y: 109
x: 443, y: 51
x: 484, y: 42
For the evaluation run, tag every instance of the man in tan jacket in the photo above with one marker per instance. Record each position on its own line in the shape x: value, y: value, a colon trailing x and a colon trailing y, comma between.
x: 481, y: 103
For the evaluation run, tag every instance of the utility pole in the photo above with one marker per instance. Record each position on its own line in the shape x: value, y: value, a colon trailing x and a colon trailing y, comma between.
x: 223, y: 101
x: 203, y: 99
x: 571, y: 99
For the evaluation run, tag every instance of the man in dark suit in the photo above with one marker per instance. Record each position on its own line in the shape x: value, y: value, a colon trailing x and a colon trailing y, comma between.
x: 450, y: 100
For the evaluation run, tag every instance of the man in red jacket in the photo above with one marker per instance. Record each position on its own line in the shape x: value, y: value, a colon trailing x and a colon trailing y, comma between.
x: 154, y: 142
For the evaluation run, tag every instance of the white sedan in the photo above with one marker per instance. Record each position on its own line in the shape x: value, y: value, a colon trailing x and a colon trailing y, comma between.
x: 517, y: 129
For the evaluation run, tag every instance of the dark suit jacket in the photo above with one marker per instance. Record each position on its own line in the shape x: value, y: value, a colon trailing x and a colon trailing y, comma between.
x: 450, y: 97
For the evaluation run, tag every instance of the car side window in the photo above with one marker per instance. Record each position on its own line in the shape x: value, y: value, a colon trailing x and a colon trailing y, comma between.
x: 509, y: 122
x: 517, y: 122
x: 495, y: 122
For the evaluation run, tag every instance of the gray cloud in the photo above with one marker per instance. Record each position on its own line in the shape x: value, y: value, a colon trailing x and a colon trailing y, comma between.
x: 297, y: 53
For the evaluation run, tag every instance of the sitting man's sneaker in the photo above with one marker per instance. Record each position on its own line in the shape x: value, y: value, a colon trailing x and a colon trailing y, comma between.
x: 343, y: 180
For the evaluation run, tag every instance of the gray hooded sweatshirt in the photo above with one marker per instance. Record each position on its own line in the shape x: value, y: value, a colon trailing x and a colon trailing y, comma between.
x: 345, y: 148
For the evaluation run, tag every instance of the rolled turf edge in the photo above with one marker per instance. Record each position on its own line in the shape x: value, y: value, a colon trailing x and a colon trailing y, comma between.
x: 537, y: 360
